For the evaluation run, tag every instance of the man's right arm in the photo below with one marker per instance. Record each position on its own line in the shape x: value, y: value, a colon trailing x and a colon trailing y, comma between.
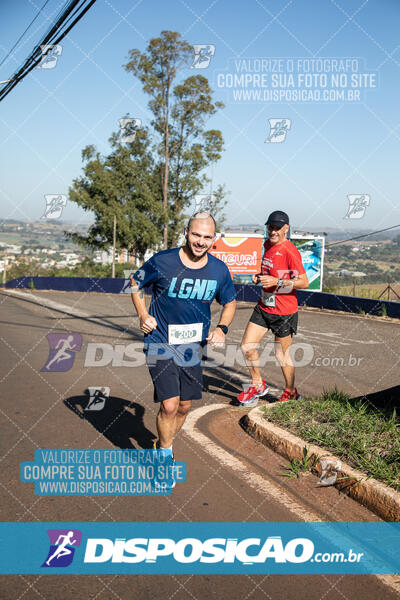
x: 147, y: 322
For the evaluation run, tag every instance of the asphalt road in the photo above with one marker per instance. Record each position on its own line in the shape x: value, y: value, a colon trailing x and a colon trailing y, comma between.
x: 44, y: 410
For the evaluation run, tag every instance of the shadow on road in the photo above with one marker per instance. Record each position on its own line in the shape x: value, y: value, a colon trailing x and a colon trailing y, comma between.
x: 220, y: 381
x: 385, y: 401
x: 118, y: 424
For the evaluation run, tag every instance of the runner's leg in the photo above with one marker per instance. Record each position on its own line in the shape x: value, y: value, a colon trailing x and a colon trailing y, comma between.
x: 251, y: 338
x: 282, y: 353
x: 183, y: 409
x: 166, y: 421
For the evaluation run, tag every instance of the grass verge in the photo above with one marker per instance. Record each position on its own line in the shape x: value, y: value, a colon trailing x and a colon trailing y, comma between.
x: 366, y: 438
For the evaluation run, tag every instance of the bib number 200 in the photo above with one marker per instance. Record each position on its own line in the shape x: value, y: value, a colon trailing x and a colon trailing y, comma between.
x: 185, y: 334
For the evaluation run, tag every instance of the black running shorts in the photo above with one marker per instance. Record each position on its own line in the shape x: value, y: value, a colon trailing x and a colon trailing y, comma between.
x: 280, y: 325
x: 170, y: 380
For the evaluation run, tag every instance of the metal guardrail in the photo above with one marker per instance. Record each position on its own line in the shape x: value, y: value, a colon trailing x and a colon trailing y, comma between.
x: 245, y: 293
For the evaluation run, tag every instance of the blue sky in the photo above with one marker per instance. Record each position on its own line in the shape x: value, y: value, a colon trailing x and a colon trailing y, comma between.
x: 332, y: 149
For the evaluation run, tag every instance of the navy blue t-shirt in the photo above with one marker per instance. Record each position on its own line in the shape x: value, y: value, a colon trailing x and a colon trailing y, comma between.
x: 181, y: 295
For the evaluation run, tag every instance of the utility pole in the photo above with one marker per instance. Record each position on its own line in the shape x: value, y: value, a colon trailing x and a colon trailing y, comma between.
x: 114, y: 243
x: 5, y: 267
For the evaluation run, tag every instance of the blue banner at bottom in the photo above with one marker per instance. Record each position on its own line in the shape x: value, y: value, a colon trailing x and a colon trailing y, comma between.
x: 194, y: 548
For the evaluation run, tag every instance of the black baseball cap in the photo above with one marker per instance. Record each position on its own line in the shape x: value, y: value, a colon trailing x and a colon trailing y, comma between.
x: 278, y: 218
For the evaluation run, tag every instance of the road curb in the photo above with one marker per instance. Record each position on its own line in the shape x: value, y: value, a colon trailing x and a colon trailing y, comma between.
x: 376, y: 496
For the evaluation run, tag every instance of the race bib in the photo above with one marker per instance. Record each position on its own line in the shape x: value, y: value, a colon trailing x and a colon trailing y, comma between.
x: 185, y: 334
x: 268, y: 299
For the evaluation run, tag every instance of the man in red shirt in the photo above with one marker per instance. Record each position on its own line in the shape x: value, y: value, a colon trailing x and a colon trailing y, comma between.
x: 282, y: 273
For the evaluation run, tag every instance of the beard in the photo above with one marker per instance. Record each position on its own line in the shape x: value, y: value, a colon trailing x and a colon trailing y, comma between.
x: 192, y: 254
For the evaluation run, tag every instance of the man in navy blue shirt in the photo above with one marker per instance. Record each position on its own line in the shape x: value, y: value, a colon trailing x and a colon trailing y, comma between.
x: 184, y: 282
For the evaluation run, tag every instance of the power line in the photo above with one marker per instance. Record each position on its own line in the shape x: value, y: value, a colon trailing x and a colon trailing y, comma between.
x: 22, y: 35
x: 54, y: 35
x: 37, y: 54
x: 362, y: 236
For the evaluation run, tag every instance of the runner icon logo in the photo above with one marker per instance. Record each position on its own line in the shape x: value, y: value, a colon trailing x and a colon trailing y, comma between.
x: 129, y: 127
x: 55, y: 204
x: 98, y: 397
x: 358, y: 204
x: 204, y: 203
x: 130, y: 284
x: 202, y: 55
x: 62, y: 547
x: 278, y: 130
x: 62, y: 351
x: 50, y: 55
x: 329, y: 471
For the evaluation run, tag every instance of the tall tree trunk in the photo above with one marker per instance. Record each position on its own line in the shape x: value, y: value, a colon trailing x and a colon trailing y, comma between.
x: 178, y: 205
x: 165, y: 197
x: 166, y: 172
x: 114, y: 244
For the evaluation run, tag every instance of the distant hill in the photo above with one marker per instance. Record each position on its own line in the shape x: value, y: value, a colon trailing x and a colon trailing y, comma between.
x: 332, y: 234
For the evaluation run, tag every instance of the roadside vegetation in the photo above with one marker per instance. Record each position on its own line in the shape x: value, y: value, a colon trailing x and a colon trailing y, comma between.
x: 87, y: 268
x: 366, y: 437
x: 374, y: 291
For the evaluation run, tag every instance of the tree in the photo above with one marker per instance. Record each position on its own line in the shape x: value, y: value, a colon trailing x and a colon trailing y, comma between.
x: 218, y: 206
x: 123, y: 184
x: 184, y: 147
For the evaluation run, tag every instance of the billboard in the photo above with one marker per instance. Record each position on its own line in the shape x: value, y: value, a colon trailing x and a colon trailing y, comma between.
x: 311, y: 249
x: 241, y: 253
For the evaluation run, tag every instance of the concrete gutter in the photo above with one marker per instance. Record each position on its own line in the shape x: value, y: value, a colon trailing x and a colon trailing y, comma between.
x: 378, y: 497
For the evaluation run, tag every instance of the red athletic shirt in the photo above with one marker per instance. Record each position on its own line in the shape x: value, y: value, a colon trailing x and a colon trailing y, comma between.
x: 283, y: 261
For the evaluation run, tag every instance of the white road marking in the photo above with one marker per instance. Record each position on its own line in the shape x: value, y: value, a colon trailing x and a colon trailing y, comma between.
x: 257, y: 482
x: 64, y: 307
x: 333, y: 335
x: 315, y: 342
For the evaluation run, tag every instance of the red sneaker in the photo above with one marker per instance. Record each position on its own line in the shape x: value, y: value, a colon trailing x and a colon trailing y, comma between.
x: 250, y: 396
x: 287, y: 395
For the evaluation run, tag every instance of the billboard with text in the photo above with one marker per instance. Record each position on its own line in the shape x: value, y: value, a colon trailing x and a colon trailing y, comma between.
x: 241, y: 253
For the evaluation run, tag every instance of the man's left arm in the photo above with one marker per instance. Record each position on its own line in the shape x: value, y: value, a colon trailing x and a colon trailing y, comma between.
x: 284, y: 286
x: 292, y: 278
x: 299, y: 282
x: 217, y: 336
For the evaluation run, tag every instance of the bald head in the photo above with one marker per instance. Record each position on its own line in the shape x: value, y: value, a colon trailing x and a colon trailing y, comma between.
x: 205, y: 217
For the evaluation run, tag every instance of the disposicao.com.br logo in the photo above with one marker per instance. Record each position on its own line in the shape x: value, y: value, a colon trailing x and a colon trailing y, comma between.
x: 232, y: 547
x: 191, y: 550
x: 247, y: 551
x: 201, y: 548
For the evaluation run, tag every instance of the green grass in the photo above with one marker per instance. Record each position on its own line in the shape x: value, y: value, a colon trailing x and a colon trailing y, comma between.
x: 366, y: 438
x: 298, y: 466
